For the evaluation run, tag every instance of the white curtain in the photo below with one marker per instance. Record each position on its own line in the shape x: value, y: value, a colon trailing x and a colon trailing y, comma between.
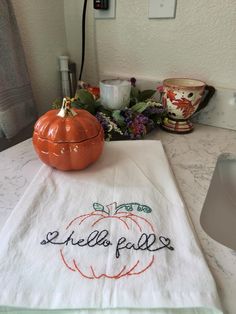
x: 17, y: 108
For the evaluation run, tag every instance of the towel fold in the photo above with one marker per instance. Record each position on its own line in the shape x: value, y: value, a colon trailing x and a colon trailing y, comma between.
x: 113, y: 238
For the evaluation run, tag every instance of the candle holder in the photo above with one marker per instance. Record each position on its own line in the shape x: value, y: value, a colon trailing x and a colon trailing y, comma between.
x: 115, y: 93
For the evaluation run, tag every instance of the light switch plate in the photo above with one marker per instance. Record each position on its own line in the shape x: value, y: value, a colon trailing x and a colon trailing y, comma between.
x: 106, y: 14
x: 161, y: 9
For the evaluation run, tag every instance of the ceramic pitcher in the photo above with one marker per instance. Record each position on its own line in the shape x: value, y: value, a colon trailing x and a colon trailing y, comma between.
x: 183, y: 97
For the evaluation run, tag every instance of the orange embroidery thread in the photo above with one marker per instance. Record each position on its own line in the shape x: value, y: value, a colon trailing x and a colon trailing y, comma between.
x: 100, y: 214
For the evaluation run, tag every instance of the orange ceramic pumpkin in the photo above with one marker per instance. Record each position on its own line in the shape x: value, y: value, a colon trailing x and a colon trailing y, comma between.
x: 69, y: 139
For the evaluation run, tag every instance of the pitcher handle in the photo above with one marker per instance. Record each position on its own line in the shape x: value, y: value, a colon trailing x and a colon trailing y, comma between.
x: 209, y: 92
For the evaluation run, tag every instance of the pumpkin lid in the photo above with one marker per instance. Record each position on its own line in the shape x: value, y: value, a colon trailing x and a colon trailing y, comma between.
x: 75, y: 128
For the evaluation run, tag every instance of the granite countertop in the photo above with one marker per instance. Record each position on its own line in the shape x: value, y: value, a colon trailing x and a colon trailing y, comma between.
x: 192, y: 157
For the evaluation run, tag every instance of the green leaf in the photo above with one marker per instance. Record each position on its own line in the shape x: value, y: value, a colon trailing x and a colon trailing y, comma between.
x: 57, y: 103
x: 105, y: 111
x: 144, y: 95
x: 85, y: 97
x: 79, y: 105
x: 134, y: 93
x: 98, y: 206
x: 139, y: 208
x: 118, y: 118
x: 97, y: 104
x: 140, y: 107
x: 129, y: 207
x: 134, y: 206
x: 146, y: 209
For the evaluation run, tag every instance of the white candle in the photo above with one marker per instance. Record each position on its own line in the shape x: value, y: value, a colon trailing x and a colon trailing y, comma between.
x: 115, y: 93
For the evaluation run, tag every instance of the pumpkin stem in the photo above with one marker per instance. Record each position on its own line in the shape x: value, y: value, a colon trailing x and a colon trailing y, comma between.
x: 112, y: 208
x: 66, y: 109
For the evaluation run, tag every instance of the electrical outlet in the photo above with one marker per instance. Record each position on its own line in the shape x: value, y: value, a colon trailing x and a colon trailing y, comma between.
x: 110, y: 13
x: 160, y: 9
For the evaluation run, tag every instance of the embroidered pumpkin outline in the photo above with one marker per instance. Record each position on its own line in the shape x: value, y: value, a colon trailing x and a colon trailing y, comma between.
x: 123, y: 215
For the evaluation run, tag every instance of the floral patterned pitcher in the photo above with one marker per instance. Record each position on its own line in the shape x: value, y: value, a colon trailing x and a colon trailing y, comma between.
x: 183, y: 97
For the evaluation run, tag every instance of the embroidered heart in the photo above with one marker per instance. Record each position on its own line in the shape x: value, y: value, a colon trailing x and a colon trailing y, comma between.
x: 50, y: 236
x: 166, y: 242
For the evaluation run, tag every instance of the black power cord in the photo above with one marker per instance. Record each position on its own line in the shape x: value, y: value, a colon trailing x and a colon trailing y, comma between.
x: 83, y: 38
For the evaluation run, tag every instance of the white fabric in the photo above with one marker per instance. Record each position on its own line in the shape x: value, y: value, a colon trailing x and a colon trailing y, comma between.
x: 114, y: 268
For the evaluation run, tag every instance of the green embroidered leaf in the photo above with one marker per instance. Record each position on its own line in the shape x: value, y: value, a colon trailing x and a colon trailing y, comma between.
x: 98, y: 206
x: 128, y: 207
x: 134, y: 206
x: 146, y: 209
x: 140, y: 208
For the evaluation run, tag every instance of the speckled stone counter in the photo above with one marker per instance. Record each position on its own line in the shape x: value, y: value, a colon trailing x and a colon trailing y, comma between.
x: 192, y: 157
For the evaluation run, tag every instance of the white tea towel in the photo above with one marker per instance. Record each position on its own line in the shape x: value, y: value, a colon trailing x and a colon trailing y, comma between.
x: 114, y: 237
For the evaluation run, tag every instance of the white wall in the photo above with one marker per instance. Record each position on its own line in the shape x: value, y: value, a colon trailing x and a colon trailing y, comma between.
x: 200, y: 42
x: 42, y: 29
x: 73, y: 21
